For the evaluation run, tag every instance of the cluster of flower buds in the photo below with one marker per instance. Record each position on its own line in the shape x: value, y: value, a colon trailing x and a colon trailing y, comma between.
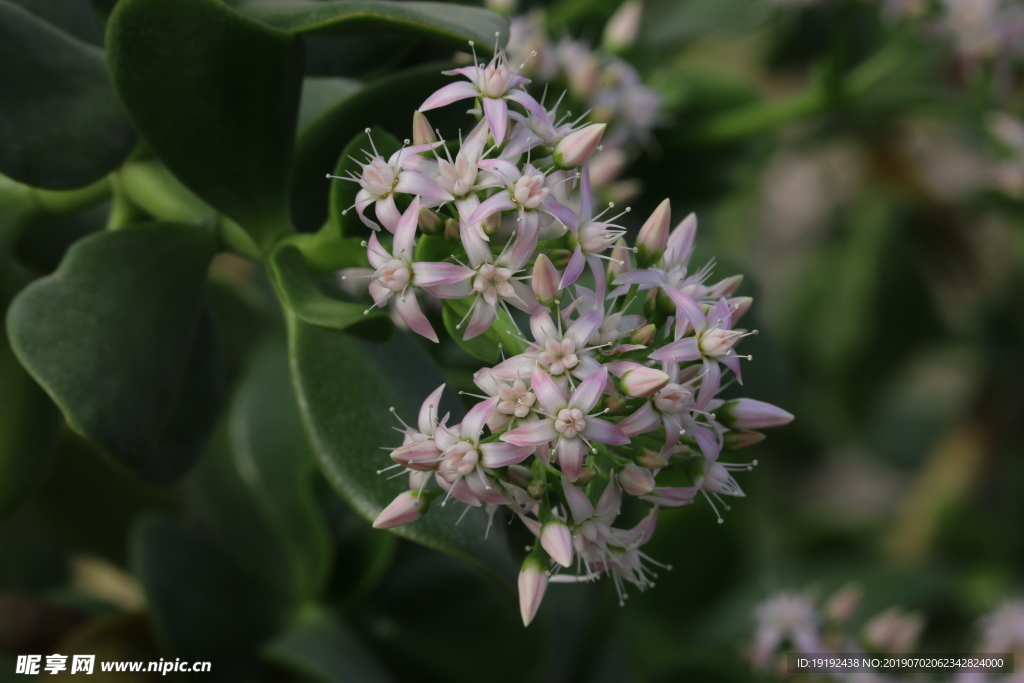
x: 616, y: 384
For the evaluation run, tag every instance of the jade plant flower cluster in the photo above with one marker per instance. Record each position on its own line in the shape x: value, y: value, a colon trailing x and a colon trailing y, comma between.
x: 613, y: 361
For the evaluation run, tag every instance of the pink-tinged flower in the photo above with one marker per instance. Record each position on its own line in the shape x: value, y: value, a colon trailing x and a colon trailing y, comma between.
x: 567, y: 422
x: 712, y: 342
x: 674, y: 407
x: 614, y: 326
x: 494, y: 281
x: 527, y: 192
x: 462, y: 470
x: 785, y: 617
x: 516, y: 402
x: 545, y: 281
x: 406, y: 508
x: 894, y: 630
x: 1003, y: 628
x: 418, y: 451
x: 592, y: 236
x: 747, y: 413
x: 560, y: 352
x: 556, y: 539
x: 405, y: 172
x: 534, y: 129
x: 653, y: 237
x: 576, y: 148
x: 533, y: 582
x: 638, y: 381
x: 636, y: 481
x: 495, y: 85
x: 398, y: 274
x: 672, y: 496
x: 673, y: 270
x: 459, y: 177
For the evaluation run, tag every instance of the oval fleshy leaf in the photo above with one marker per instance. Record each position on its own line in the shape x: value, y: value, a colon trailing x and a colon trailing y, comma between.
x: 452, y: 25
x: 324, y: 649
x: 119, y: 339
x: 62, y: 126
x: 216, y: 96
x: 345, y: 389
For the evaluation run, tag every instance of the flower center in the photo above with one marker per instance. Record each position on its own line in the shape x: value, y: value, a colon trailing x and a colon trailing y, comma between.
x: 595, y: 238
x: 492, y: 282
x: 559, y: 356
x: 529, y: 191
x: 716, y: 342
x: 496, y: 81
x: 673, y: 399
x: 516, y: 399
x: 569, y: 422
x: 378, y: 178
x: 461, y: 458
x: 395, y: 275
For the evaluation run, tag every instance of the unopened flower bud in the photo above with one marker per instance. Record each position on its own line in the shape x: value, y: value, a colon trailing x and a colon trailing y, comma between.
x: 451, y: 230
x: 620, y: 31
x: 429, y: 222
x: 536, y: 489
x: 545, y: 281
x: 635, y: 480
x: 422, y: 132
x: 726, y: 287
x: 533, y: 582
x: 642, y: 381
x: 651, y: 459
x: 615, y: 404
x: 587, y: 475
x: 576, y: 148
x: 406, y: 508
x: 735, y: 440
x: 644, y: 335
x: 556, y: 539
x: 739, y: 305
x: 747, y: 413
x: 653, y: 237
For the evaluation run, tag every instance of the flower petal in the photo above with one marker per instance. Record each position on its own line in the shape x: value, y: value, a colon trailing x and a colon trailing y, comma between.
x: 409, y: 309
x: 429, y: 274
x: 388, y: 213
x: 644, y: 420
x: 428, y: 411
x: 563, y: 214
x: 504, y: 454
x: 570, y: 457
x: 376, y: 253
x: 579, y: 505
x: 574, y: 269
x: 411, y: 182
x: 532, y: 434
x: 481, y: 320
x: 526, y: 99
x: 685, y: 349
x: 548, y: 394
x: 542, y: 326
x: 650, y: 278
x: 405, y: 232
x: 453, y: 92
x: 604, y: 431
x: 588, y: 393
x: 689, y: 309
x: 496, y: 113
x: 584, y: 328
x: 476, y: 418
x: 501, y: 201
x: 610, y: 501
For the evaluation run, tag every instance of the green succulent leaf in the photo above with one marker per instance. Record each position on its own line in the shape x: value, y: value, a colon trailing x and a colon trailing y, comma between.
x: 216, y: 96
x: 343, y: 217
x: 202, y: 605
x: 62, y: 126
x: 438, y: 21
x: 277, y: 465
x: 388, y: 103
x: 503, y: 333
x: 325, y: 650
x: 303, y: 292
x: 119, y: 339
x: 346, y: 388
